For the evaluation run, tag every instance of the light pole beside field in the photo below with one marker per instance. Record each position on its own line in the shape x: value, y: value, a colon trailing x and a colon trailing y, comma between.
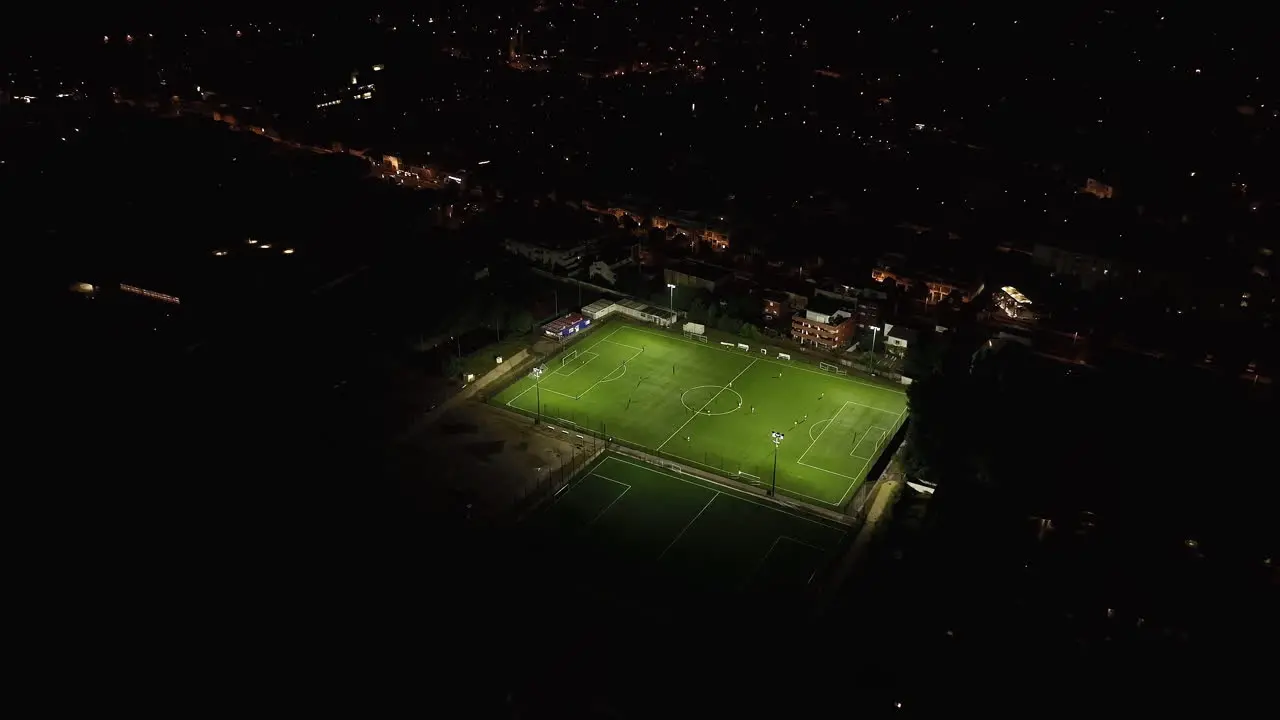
x: 874, y: 330
x: 671, y: 301
x: 777, y: 440
x: 537, y: 390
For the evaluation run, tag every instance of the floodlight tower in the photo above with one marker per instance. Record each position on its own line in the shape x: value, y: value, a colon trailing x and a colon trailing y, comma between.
x: 777, y: 440
x: 671, y: 301
x: 537, y: 390
x: 874, y: 330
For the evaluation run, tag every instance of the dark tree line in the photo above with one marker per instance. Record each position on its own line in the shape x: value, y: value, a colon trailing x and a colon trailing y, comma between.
x: 731, y: 314
x: 1044, y: 438
x: 1087, y: 528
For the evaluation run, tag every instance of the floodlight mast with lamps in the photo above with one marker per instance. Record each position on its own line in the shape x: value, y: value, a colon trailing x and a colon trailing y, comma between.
x: 777, y: 440
x: 537, y: 390
x: 874, y: 330
x: 671, y: 301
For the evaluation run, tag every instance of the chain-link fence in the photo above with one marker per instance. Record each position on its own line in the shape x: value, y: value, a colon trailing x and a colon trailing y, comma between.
x: 550, y: 480
x: 887, y: 449
x: 755, y: 477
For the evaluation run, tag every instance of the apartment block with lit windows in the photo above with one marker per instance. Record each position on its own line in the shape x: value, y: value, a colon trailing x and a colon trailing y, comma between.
x: 775, y: 305
x: 824, y: 324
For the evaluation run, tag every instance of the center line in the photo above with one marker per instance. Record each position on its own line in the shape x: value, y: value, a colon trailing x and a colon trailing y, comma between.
x: 704, y: 405
x: 690, y: 524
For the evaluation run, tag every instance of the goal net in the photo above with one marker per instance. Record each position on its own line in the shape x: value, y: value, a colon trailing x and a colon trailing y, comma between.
x: 568, y: 357
x: 829, y: 367
x: 695, y: 336
x: 881, y: 437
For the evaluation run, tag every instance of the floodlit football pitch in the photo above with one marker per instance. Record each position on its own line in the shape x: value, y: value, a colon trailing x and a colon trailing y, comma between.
x: 715, y: 407
x: 638, y: 520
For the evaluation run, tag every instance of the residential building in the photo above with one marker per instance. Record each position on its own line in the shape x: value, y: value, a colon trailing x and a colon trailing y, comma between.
x: 794, y: 295
x: 938, y: 287
x: 825, y: 324
x: 777, y: 304
x: 898, y: 338
x: 853, y: 293
x: 354, y: 92
x: 1098, y: 189
x: 1090, y: 269
x: 565, y: 256
x: 715, y: 238
x: 868, y: 302
x: 686, y: 226
x: 868, y: 313
x: 606, y: 270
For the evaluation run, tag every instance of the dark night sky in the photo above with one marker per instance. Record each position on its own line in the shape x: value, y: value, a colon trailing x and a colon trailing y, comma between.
x: 220, y: 449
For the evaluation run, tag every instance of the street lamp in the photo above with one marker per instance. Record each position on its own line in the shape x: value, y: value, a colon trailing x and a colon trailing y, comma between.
x: 537, y: 384
x: 777, y: 440
x: 874, y: 330
x: 671, y: 303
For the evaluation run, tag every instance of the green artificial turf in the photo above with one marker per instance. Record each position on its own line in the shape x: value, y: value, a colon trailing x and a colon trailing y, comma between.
x: 694, y: 402
x: 632, y: 517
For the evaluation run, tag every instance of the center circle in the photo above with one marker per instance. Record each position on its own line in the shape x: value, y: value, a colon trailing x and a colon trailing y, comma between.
x: 712, y: 399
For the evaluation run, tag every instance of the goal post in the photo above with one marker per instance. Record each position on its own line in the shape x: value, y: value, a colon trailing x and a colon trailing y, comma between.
x: 828, y: 367
x: 568, y: 357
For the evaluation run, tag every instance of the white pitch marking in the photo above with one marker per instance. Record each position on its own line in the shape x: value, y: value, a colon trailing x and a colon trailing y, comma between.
x: 801, y: 542
x: 690, y: 523
x: 784, y: 488
x: 606, y: 378
x: 814, y: 426
x: 576, y: 368
x: 704, y: 405
x: 830, y: 422
x: 772, y: 362
x: 730, y: 491
x: 865, y: 435
x: 862, y: 472
x: 871, y: 407
x: 832, y: 472
x: 625, y: 489
x: 769, y: 552
x: 522, y: 392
